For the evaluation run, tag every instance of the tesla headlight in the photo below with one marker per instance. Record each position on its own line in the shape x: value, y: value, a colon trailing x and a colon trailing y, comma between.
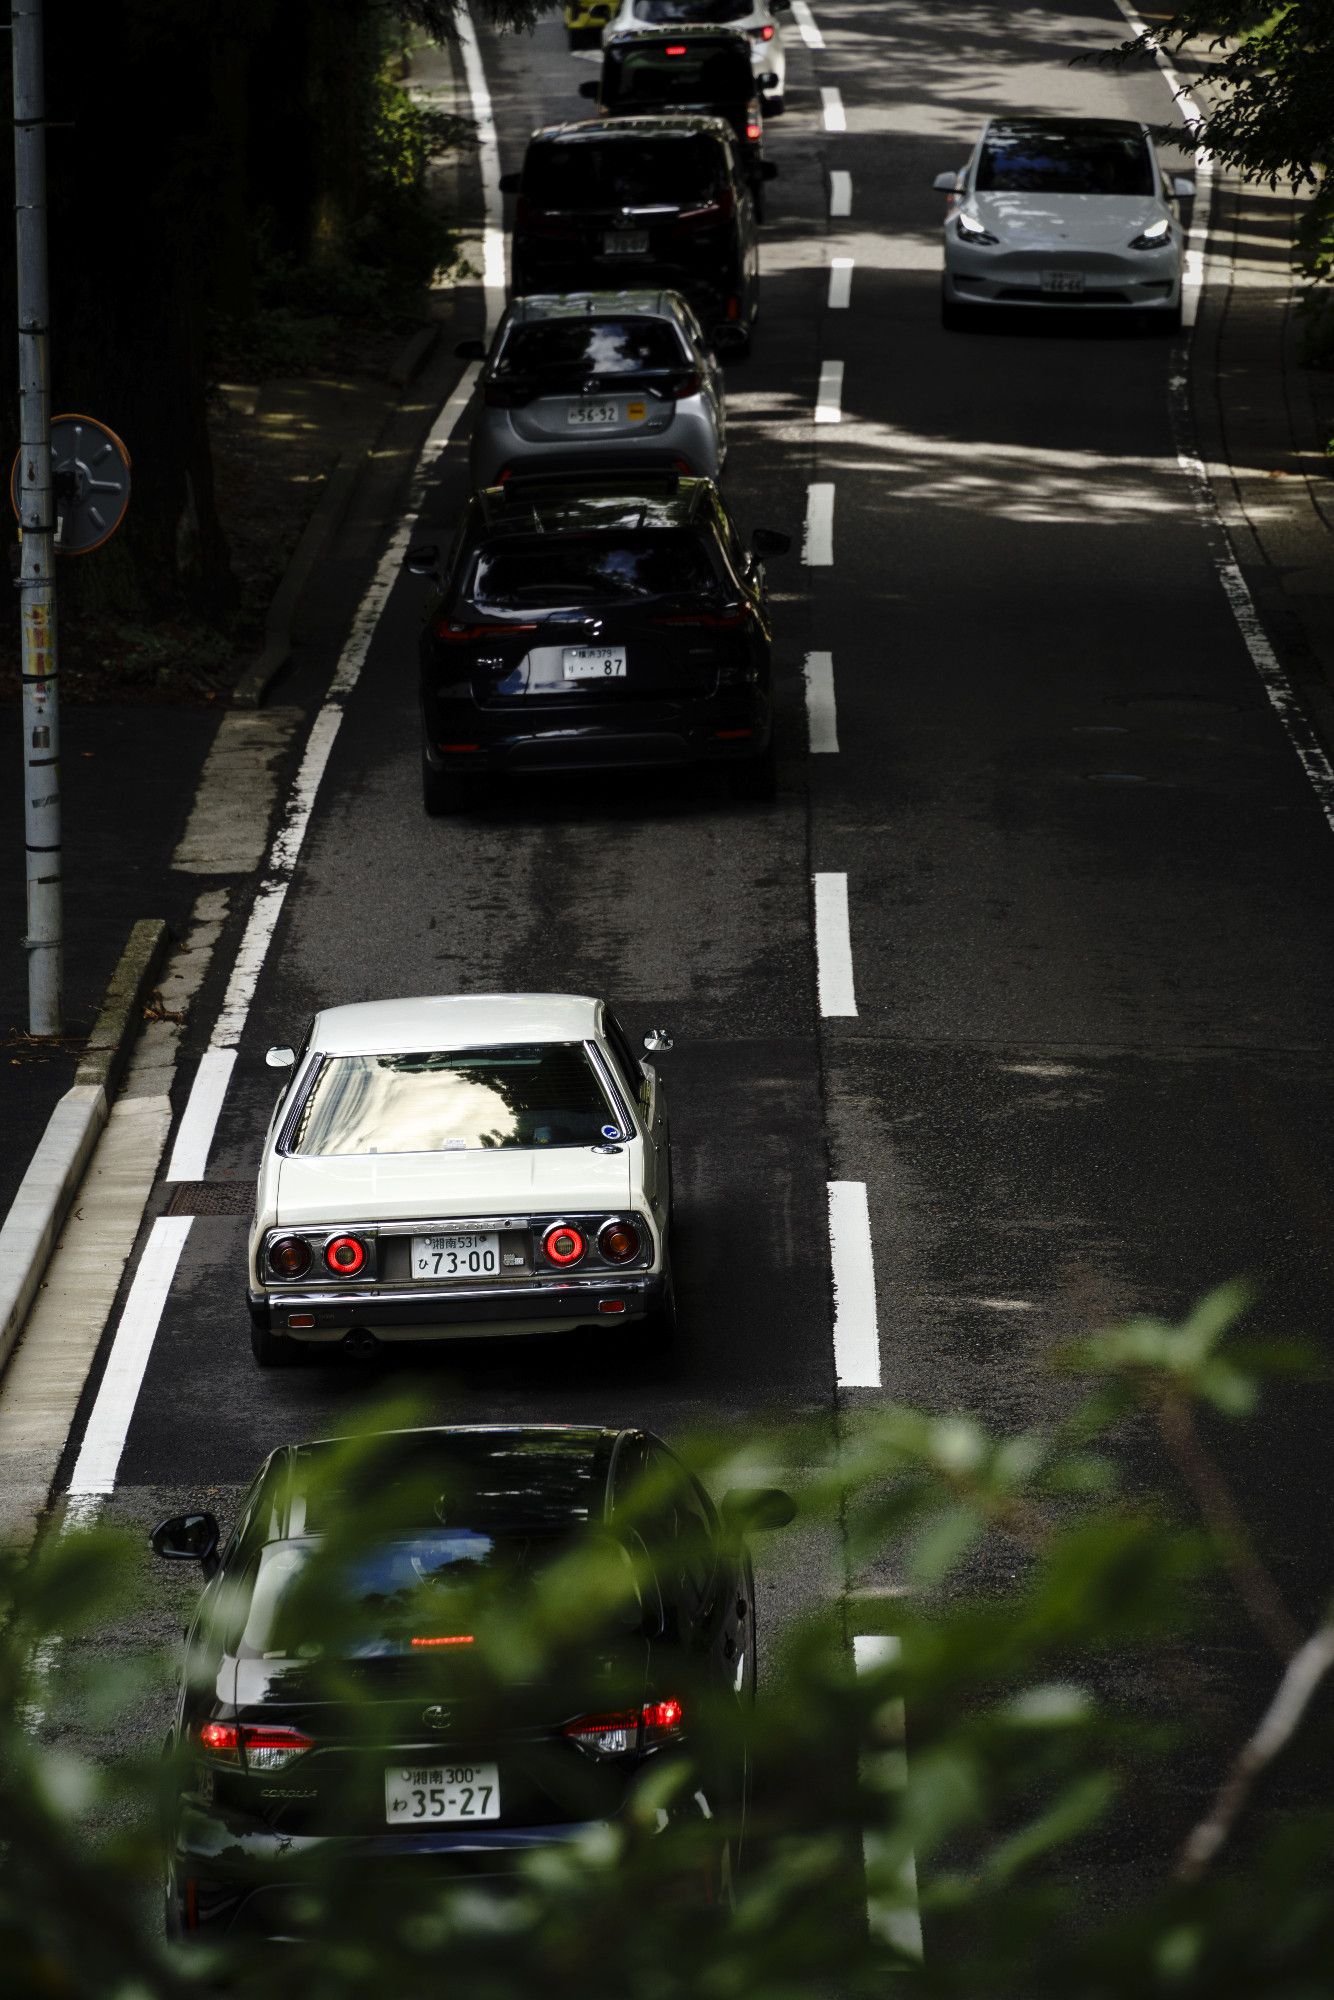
x: 970, y: 228
x: 1154, y: 237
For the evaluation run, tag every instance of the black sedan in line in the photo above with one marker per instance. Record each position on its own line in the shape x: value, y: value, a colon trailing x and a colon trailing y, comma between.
x: 379, y: 1741
x: 595, y: 621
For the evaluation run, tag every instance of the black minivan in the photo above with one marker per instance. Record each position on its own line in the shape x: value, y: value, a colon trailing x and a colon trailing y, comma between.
x: 657, y: 70
x: 611, y: 202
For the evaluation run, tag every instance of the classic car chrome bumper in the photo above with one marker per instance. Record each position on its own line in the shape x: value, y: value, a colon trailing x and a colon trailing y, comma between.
x: 427, y: 1311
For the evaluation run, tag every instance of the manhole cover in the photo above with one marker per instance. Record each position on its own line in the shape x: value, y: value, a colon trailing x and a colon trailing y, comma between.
x: 211, y: 1198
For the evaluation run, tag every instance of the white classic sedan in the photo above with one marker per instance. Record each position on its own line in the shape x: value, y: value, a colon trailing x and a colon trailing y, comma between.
x: 494, y: 1163
x: 1063, y: 212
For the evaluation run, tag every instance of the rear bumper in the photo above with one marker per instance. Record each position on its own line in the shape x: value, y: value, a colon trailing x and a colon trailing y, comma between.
x: 431, y: 1313
x: 715, y: 730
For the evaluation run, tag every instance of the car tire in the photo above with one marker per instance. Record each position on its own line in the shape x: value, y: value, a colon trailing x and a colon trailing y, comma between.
x: 775, y: 106
x: 661, y: 1324
x: 443, y: 792
x: 272, y: 1350
x: 757, y: 778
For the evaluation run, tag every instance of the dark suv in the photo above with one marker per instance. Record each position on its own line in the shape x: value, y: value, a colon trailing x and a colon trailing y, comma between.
x: 589, y: 621
x: 641, y: 201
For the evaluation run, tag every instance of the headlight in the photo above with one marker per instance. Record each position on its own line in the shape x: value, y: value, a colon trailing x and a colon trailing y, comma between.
x: 1154, y: 237
x: 970, y: 229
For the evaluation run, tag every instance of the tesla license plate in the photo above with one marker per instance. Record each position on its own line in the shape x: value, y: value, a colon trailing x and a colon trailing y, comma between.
x: 594, y: 413
x: 442, y: 1792
x: 624, y: 242
x: 1062, y: 281
x: 462, y: 1254
x: 594, y: 663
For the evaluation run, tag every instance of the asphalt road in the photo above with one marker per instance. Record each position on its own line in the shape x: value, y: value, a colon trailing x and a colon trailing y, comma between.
x: 1088, y: 882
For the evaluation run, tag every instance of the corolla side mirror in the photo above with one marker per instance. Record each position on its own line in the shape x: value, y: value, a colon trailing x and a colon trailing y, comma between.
x: 947, y: 183
x: 423, y: 560
x: 1183, y: 186
x: 590, y: 89
x: 748, y: 1509
x: 187, y: 1538
x: 769, y: 170
x: 769, y: 542
x: 470, y: 350
x: 657, y: 1041
x: 510, y: 183
x: 280, y: 1058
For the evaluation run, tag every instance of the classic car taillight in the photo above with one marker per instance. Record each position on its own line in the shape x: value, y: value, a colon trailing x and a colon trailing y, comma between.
x: 256, y: 1745
x: 289, y: 1257
x: 618, y: 1241
x: 345, y: 1256
x: 563, y: 1245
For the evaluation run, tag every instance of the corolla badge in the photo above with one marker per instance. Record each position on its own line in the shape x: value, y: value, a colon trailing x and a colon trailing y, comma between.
x: 437, y: 1716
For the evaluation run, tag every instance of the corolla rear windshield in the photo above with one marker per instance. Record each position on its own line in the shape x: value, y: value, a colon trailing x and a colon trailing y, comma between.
x: 629, y: 172
x: 583, y: 347
x: 590, y: 569
x: 457, y: 1101
x: 1044, y: 159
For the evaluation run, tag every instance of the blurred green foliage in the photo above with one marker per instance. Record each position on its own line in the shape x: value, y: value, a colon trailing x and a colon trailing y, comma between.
x: 1029, y: 1600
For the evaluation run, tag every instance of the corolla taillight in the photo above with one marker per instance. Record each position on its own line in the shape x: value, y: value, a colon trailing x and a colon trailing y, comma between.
x: 254, y: 1746
x: 625, y: 1730
x: 289, y: 1257
x: 685, y: 385
x: 618, y: 1241
x: 563, y: 1245
x: 345, y: 1256
x: 444, y: 1639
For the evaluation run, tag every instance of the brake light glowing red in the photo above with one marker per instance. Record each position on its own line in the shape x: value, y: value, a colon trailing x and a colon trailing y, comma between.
x: 345, y: 1256
x: 447, y: 1639
x: 616, y: 1735
x: 563, y: 1245
x: 767, y: 32
x: 752, y: 128
x: 662, y: 1716
x: 675, y: 49
x: 259, y: 1746
x: 221, y: 1740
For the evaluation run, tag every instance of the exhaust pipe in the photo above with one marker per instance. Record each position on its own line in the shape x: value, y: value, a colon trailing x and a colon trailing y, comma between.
x: 361, y: 1344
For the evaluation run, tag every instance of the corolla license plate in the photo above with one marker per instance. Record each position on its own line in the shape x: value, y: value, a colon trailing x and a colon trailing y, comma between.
x: 461, y: 1254
x: 594, y: 413
x: 1062, y: 281
x: 624, y: 242
x: 594, y: 663
x: 415, y: 1793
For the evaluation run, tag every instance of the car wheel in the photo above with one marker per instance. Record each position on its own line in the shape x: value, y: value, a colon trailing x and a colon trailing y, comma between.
x: 442, y: 791
x: 272, y: 1350
x: 775, y: 106
x: 757, y: 778
x: 661, y: 1323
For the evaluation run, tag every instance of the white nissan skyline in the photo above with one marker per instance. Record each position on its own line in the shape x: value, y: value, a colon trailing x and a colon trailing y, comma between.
x: 437, y: 1167
x: 1062, y: 213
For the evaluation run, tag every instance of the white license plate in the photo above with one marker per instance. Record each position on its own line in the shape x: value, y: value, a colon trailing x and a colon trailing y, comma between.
x: 458, y: 1255
x: 595, y: 663
x: 417, y: 1793
x: 624, y: 242
x: 594, y: 413
x: 1062, y: 281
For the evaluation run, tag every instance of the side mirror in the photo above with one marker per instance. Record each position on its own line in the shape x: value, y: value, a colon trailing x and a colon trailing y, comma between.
x: 470, y: 350
x: 280, y: 1058
x: 748, y: 1509
x: 769, y: 81
x: 657, y: 1041
x: 1183, y: 186
x: 769, y: 170
x: 592, y: 89
x: 948, y: 183
x: 423, y: 560
x: 510, y: 183
x: 769, y: 542
x: 187, y: 1538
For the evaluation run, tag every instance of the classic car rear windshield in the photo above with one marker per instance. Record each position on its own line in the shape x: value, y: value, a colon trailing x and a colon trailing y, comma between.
x: 590, y: 569
x: 640, y: 79
x: 1048, y: 160
x: 666, y: 13
x: 583, y: 347
x: 463, y: 1099
x: 629, y: 172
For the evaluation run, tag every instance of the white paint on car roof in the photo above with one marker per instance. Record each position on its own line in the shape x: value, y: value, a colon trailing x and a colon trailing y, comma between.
x: 454, y: 1021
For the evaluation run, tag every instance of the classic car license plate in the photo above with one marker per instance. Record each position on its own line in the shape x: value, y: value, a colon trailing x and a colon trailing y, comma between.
x: 624, y: 242
x: 461, y: 1254
x: 594, y: 663
x: 419, y: 1792
x: 1062, y: 281
x: 594, y: 413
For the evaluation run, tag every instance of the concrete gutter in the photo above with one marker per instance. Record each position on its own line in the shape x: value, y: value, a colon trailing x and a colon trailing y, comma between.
x: 47, y: 1190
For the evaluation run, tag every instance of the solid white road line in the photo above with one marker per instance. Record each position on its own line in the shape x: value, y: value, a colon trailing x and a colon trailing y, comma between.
x: 806, y: 27
x: 1192, y: 274
x: 488, y: 152
x: 829, y: 395
x: 817, y: 547
x: 896, y: 1921
x: 104, y: 1439
x: 840, y: 283
x: 821, y: 715
x: 835, y: 117
x: 199, y: 1120
x: 856, y: 1328
x: 840, y: 192
x: 833, y: 947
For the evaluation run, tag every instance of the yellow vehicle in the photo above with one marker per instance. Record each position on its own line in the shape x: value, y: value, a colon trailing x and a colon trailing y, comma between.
x: 585, y: 19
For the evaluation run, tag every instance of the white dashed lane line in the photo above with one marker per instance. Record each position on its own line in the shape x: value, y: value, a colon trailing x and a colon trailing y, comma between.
x: 835, y: 117
x: 840, y: 192
x: 833, y: 947
x: 817, y: 548
x: 806, y: 27
x: 856, y: 1328
x: 829, y: 395
x: 893, y: 1918
x: 840, y: 283
x: 821, y: 716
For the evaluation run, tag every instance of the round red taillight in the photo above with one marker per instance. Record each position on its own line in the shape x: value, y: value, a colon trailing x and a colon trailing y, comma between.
x: 289, y: 1257
x: 563, y: 1245
x: 345, y: 1256
x: 618, y: 1242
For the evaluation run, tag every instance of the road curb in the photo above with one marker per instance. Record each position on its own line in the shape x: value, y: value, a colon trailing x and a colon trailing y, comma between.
x: 47, y: 1190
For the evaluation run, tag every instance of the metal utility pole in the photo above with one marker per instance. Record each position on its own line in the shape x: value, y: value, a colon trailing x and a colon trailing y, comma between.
x: 36, y: 505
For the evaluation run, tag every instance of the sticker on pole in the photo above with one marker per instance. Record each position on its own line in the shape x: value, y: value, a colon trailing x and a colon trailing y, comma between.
x: 90, y: 483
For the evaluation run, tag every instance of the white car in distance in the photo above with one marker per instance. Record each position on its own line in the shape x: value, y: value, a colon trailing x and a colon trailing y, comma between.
x: 1063, y: 213
x: 768, y: 58
x: 447, y: 1166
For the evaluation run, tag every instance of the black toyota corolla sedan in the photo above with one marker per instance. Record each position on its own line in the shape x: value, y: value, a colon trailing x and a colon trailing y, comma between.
x: 346, y: 1704
x: 589, y: 621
